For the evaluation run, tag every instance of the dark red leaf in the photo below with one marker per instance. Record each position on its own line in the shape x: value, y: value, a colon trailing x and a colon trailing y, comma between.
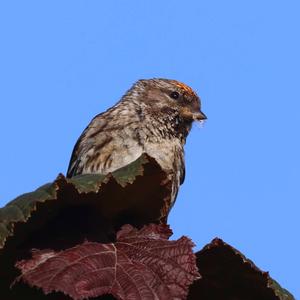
x: 227, y: 274
x: 142, y: 264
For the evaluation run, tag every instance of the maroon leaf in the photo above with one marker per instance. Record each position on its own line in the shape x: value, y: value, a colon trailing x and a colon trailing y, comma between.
x: 227, y: 274
x: 142, y: 264
x: 64, y: 213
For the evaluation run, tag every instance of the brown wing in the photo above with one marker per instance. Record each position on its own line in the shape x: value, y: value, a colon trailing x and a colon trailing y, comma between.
x: 182, y: 174
x: 75, y: 165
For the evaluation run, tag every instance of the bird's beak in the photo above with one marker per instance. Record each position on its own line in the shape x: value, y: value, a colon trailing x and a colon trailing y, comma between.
x: 199, y: 116
x: 195, y: 116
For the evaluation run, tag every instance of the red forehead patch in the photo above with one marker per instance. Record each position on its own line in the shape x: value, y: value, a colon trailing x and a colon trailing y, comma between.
x: 186, y: 88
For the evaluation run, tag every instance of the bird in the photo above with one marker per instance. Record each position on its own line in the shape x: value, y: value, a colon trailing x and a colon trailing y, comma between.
x: 154, y: 117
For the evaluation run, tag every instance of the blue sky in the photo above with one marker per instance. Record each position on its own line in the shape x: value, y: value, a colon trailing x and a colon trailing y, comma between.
x: 62, y: 62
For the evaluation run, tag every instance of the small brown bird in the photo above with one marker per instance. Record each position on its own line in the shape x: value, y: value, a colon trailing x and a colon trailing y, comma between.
x: 153, y: 117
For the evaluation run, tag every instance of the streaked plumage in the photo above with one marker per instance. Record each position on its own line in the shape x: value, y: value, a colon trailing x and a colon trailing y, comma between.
x: 149, y: 118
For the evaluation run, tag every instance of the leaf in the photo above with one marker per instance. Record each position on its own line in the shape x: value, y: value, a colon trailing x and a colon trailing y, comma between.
x: 142, y: 264
x: 227, y: 274
x: 64, y: 213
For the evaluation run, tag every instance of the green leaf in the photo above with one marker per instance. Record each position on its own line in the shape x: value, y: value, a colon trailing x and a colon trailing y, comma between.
x: 66, y: 212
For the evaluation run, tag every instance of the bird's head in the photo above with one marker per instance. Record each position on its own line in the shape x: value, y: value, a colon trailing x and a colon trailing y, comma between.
x: 165, y: 95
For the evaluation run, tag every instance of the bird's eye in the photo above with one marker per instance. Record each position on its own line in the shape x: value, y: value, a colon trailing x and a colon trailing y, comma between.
x: 174, y: 95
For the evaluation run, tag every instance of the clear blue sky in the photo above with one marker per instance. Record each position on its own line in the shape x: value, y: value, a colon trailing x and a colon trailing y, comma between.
x: 62, y: 62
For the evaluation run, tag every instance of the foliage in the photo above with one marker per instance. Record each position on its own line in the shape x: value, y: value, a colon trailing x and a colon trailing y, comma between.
x: 84, y: 219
